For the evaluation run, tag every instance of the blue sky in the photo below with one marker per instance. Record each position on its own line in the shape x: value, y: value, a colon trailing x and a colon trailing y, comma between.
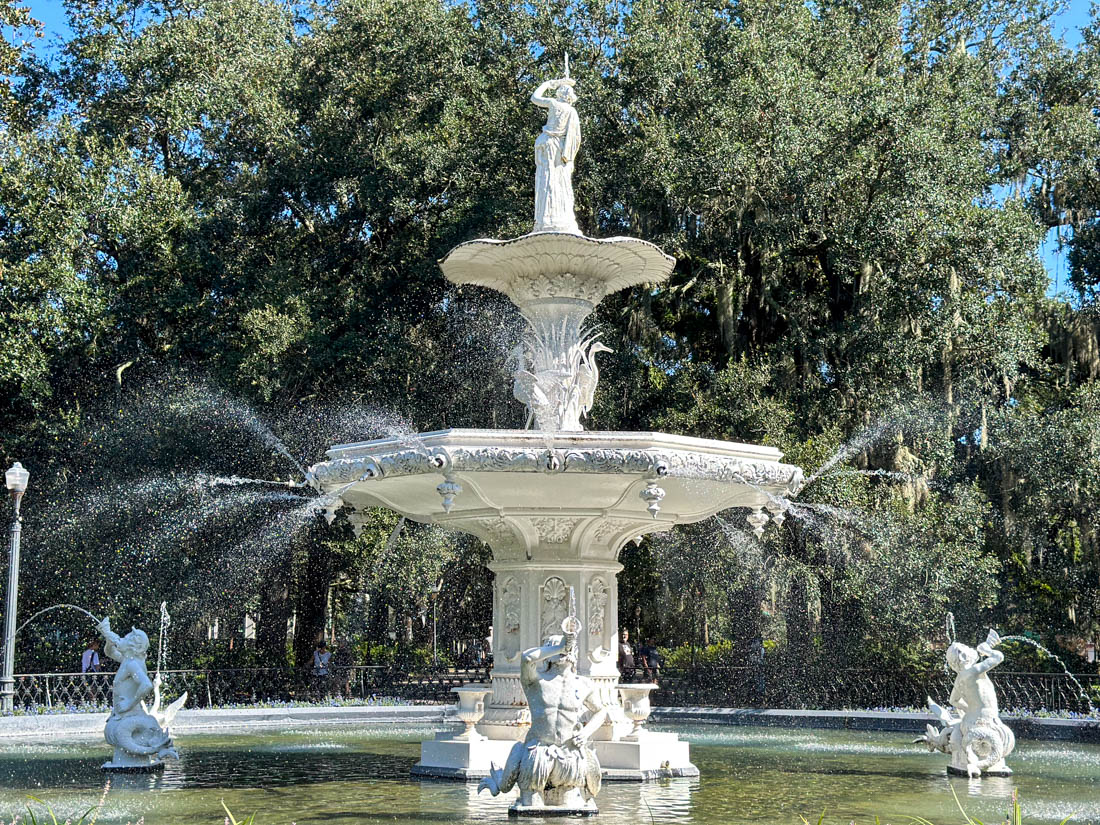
x: 1069, y: 25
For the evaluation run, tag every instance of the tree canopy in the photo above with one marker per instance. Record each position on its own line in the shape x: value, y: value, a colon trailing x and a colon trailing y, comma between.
x: 254, y: 195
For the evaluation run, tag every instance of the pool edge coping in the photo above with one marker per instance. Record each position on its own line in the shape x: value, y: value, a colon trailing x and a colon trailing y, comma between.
x: 21, y: 728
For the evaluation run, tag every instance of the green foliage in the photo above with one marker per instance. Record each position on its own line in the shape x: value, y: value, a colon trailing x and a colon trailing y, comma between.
x: 257, y: 192
x: 250, y: 820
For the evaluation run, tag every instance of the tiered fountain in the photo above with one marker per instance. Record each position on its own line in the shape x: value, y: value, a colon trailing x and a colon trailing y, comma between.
x: 556, y: 503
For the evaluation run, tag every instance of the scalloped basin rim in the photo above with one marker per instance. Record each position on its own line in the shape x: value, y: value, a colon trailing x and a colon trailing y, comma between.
x: 595, y: 440
x: 530, y: 236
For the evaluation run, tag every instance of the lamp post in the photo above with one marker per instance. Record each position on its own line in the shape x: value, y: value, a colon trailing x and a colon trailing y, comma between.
x: 435, y: 623
x: 16, y: 480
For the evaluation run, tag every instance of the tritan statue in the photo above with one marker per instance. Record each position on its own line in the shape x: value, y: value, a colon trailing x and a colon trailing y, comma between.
x: 555, y: 150
x: 554, y: 768
x: 974, y: 736
x: 139, y: 734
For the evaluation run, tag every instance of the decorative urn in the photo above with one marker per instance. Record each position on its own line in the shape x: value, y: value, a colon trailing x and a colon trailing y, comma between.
x: 636, y: 706
x: 471, y: 707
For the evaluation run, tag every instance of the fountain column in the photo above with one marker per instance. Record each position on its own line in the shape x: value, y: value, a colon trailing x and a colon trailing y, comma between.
x: 530, y: 599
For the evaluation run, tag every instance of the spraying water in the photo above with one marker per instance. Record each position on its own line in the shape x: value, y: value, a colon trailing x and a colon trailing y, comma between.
x: 55, y: 607
x: 1081, y: 692
x: 162, y: 641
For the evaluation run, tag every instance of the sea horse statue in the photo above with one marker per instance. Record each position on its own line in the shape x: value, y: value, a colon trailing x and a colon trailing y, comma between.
x: 976, y: 738
x: 139, y: 734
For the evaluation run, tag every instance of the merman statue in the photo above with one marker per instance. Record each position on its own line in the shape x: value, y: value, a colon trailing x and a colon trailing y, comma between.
x: 139, y: 734
x: 976, y: 739
x: 554, y: 768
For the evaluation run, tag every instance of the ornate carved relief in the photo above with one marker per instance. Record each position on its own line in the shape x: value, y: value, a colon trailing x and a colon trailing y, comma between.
x: 554, y: 606
x: 496, y: 530
x: 554, y: 529
x: 510, y: 600
x: 597, y: 607
x: 507, y: 690
x: 609, y: 527
x: 658, y: 461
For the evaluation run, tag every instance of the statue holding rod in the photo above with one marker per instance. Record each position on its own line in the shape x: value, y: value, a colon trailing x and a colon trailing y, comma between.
x: 554, y: 768
x: 555, y: 150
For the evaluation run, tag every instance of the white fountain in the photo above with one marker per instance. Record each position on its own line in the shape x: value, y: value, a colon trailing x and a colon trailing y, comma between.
x: 556, y: 503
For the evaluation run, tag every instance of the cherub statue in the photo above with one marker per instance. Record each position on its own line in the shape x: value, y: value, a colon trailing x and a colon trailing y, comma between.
x: 977, y: 740
x: 139, y: 734
x: 554, y: 767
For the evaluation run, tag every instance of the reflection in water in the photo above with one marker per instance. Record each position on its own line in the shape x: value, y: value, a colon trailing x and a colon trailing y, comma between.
x: 360, y: 775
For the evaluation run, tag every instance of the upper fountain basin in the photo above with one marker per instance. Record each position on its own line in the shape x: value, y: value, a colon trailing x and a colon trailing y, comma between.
x: 523, y: 489
x: 556, y: 265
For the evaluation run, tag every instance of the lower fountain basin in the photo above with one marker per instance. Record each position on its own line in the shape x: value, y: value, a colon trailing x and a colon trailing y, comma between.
x: 346, y: 773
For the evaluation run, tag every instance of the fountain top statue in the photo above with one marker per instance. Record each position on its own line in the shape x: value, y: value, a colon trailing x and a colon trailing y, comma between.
x: 556, y: 275
x: 555, y: 150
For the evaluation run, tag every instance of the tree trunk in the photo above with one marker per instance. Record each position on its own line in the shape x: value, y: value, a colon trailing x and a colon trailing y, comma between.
x: 312, y: 603
x: 274, y: 613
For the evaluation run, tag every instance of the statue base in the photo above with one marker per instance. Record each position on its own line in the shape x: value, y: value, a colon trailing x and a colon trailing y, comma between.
x: 549, y: 810
x: 650, y: 756
x: 148, y: 767
x: 554, y: 802
x: 448, y: 757
x: 997, y: 770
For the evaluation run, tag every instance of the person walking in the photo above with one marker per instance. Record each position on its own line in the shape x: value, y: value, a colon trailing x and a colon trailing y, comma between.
x: 89, y: 662
x: 626, y: 657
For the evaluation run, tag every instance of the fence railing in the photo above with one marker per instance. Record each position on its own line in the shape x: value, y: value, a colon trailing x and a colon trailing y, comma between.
x: 717, y: 686
x: 844, y: 689
x: 220, y: 687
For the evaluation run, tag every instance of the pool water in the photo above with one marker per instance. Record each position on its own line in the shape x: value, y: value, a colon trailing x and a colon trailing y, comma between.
x: 360, y: 774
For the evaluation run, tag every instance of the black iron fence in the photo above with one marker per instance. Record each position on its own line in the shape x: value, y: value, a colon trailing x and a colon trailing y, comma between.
x: 245, y: 686
x: 715, y: 686
x: 850, y: 689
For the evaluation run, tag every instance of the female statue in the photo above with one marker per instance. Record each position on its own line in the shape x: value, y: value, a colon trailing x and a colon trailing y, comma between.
x: 555, y: 150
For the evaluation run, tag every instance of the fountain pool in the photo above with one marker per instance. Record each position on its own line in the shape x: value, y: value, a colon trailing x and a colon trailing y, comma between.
x: 361, y: 775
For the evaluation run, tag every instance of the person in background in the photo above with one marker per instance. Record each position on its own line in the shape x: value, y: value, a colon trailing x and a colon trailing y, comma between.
x: 89, y: 662
x: 626, y: 657
x: 651, y: 660
x: 322, y: 656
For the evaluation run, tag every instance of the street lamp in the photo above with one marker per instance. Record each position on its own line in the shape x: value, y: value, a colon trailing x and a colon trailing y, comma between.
x: 435, y: 623
x: 16, y: 480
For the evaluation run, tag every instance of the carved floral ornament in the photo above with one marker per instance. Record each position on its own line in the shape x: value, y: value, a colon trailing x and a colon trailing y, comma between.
x: 555, y: 606
x: 554, y: 529
x: 510, y: 605
x: 654, y: 463
x: 598, y: 593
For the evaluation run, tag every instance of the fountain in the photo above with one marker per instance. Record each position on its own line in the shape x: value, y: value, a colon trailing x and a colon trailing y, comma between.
x: 556, y: 503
